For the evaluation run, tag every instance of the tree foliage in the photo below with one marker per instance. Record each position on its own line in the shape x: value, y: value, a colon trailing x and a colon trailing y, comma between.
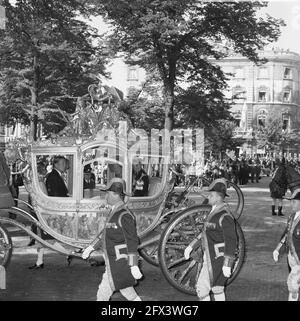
x: 48, y: 57
x: 274, y: 136
x: 221, y: 137
x: 145, y: 106
x: 178, y: 38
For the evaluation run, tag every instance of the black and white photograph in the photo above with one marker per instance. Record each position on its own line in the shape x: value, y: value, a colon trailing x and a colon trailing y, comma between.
x: 149, y: 151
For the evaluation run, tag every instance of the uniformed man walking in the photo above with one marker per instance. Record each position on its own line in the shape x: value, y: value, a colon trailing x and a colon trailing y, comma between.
x: 120, y: 246
x: 219, y: 241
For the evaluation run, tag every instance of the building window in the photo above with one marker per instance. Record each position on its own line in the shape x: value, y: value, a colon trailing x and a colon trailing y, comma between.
x: 262, y: 96
x: 132, y: 73
x: 237, y: 118
x: 239, y: 93
x: 287, y: 73
x: 263, y: 72
x: 285, y: 121
x: 261, y: 121
x: 261, y: 118
x: 287, y: 96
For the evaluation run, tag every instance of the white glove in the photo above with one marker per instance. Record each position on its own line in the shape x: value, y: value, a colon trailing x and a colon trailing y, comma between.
x: 87, y: 252
x: 187, y: 252
x: 226, y: 271
x: 275, y: 255
x: 136, y: 273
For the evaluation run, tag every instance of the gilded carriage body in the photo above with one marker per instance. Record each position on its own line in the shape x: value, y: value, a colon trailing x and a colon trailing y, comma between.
x: 77, y: 219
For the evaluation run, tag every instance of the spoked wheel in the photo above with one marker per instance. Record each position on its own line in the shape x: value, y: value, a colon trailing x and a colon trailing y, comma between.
x: 5, y: 247
x: 180, y: 232
x: 149, y: 252
x: 235, y: 199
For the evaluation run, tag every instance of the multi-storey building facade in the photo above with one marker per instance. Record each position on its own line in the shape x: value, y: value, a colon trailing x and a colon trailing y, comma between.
x: 257, y: 91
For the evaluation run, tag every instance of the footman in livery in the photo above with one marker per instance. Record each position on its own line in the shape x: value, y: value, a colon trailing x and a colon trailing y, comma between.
x: 120, y: 243
x: 290, y: 242
x: 219, y: 241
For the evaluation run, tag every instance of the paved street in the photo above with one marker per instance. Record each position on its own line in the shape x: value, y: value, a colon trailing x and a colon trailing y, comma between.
x: 260, y: 278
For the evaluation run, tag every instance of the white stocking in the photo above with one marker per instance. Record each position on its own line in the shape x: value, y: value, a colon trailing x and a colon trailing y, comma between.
x: 219, y: 297
x: 293, y: 296
x: 40, y: 257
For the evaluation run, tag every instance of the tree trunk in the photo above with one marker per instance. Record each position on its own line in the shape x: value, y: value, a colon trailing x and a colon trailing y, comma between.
x: 169, y: 109
x: 34, y: 100
x: 169, y: 122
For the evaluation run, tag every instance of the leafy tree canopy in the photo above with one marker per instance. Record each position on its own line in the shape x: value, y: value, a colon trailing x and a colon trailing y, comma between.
x: 48, y: 57
x: 274, y: 135
x: 178, y: 38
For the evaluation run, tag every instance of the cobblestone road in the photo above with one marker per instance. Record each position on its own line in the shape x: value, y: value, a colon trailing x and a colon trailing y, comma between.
x: 260, y: 278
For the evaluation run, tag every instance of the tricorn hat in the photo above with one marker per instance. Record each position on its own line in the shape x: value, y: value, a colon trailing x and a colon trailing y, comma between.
x: 117, y: 185
x: 295, y: 195
x: 218, y: 185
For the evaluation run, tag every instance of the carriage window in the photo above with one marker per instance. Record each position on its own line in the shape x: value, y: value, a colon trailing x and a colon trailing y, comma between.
x: 55, y: 174
x: 97, y: 174
x: 147, y: 176
x: 99, y: 166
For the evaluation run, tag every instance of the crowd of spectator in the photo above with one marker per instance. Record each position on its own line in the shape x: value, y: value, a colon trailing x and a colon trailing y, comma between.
x: 240, y: 170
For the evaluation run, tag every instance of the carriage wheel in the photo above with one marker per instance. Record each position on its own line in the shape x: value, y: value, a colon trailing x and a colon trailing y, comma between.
x: 181, y: 231
x: 5, y: 247
x: 150, y: 252
x: 235, y: 200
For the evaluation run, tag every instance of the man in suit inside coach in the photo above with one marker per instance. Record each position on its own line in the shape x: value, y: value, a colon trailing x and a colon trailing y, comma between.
x: 55, y: 183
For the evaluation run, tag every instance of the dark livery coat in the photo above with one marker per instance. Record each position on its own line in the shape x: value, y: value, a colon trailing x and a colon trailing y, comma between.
x: 141, y: 184
x: 220, y: 242
x: 278, y: 184
x: 120, y: 245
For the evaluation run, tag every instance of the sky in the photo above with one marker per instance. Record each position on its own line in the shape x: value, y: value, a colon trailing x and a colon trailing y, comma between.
x: 289, y: 11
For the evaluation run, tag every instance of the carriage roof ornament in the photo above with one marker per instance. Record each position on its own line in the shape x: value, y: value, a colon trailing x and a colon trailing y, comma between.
x: 95, y: 111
